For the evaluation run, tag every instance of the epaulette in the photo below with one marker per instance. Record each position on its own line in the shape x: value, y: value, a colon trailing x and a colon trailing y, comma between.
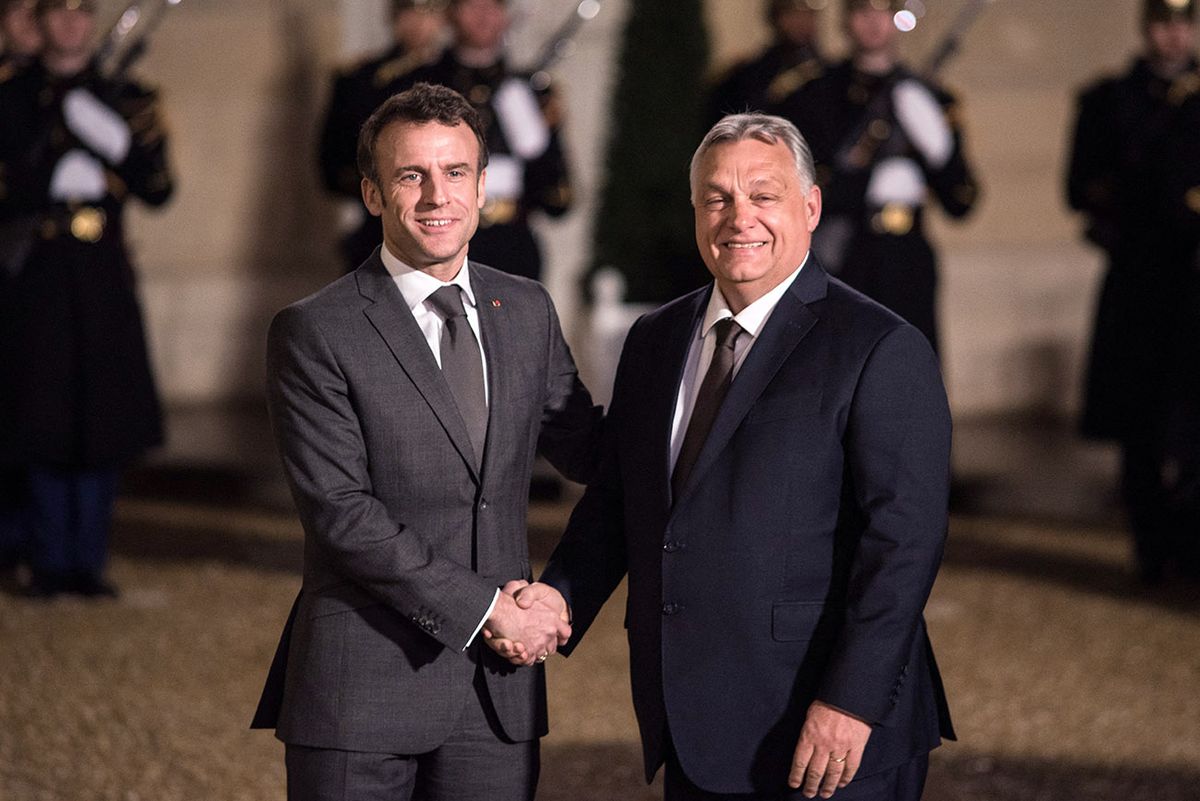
x: 1183, y: 87
x: 396, y: 68
x: 793, y: 79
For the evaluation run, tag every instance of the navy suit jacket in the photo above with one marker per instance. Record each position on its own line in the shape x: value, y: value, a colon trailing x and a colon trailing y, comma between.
x: 796, y: 562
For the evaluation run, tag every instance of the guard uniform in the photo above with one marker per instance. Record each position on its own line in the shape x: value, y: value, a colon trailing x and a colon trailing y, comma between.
x: 356, y: 93
x: 1135, y: 174
x: 877, y: 165
x: 527, y: 170
x: 80, y: 397
x: 765, y: 81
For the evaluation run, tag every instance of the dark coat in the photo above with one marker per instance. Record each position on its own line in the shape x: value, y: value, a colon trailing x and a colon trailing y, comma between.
x: 797, y: 560
x: 406, y: 537
x: 1133, y: 173
x: 79, y: 385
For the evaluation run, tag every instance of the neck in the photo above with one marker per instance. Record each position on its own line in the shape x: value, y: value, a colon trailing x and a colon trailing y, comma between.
x: 739, y: 296
x: 478, y: 57
x: 65, y: 65
x: 1168, y: 69
x: 876, y: 62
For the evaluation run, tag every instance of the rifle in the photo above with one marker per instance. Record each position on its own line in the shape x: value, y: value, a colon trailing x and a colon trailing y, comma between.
x: 876, y: 128
x: 858, y: 150
x: 120, y: 47
x: 561, y: 43
x: 125, y: 42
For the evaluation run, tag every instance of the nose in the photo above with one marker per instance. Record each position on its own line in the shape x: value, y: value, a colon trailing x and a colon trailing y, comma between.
x: 741, y: 214
x: 434, y: 191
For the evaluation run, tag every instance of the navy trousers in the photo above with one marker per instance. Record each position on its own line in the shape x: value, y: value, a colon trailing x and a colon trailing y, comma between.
x: 70, y: 513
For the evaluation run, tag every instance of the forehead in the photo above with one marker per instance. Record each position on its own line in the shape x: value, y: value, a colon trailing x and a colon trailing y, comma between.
x: 427, y: 142
x: 747, y: 159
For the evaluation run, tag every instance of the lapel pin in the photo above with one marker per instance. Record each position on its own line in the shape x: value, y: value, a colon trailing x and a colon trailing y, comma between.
x: 495, y: 303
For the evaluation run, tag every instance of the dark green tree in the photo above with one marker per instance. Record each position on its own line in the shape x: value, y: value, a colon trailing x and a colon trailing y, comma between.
x: 645, y: 226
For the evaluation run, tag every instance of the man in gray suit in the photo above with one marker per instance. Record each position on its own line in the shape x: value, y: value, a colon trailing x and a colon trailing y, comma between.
x: 408, y: 399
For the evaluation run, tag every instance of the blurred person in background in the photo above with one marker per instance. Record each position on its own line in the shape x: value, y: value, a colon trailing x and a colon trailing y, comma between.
x: 1134, y: 173
x: 788, y: 63
x: 73, y: 147
x: 885, y: 139
x: 527, y: 171
x: 20, y: 38
x: 418, y: 27
x: 20, y: 42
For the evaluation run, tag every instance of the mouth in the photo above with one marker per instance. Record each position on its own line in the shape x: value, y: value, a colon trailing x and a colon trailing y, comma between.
x: 435, y: 225
x: 743, y: 246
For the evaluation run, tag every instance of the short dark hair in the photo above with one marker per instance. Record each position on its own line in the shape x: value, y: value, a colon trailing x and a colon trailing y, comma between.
x: 424, y: 102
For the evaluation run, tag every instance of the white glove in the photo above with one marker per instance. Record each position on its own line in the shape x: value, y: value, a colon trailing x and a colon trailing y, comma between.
x: 505, y: 178
x: 97, y: 125
x: 521, y: 119
x: 923, y: 121
x: 896, y: 180
x: 78, y: 176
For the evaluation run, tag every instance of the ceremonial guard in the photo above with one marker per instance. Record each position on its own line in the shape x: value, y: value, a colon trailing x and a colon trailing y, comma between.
x: 417, y: 29
x: 527, y: 170
x: 885, y: 139
x: 790, y: 62
x: 74, y: 145
x: 1135, y: 175
x: 20, y: 39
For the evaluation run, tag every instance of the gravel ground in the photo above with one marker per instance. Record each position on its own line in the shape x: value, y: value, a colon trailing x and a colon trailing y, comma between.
x: 1065, y: 682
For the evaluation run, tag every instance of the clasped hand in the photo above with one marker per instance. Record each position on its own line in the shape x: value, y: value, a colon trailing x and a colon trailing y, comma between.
x: 528, y: 623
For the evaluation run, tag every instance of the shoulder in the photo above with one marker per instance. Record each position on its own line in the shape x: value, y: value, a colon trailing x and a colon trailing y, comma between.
x: 322, y: 307
x: 496, y: 286
x: 859, y: 321
x: 678, y: 312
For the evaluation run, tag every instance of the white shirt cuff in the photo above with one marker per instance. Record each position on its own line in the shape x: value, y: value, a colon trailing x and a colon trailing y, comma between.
x: 486, y: 615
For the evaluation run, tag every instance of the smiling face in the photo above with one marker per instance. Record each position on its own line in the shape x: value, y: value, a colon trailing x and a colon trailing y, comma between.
x: 429, y: 193
x: 754, y: 217
x: 67, y: 31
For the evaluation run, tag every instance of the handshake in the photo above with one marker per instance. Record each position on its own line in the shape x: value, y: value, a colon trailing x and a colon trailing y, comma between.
x: 528, y: 623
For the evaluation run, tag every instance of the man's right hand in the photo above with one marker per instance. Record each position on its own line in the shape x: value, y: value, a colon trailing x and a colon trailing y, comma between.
x: 528, y: 630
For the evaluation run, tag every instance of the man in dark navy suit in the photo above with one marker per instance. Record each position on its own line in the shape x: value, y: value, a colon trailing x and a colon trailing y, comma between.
x: 774, y: 484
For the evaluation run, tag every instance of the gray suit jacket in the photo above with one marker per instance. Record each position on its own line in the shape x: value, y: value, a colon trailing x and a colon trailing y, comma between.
x: 406, y: 538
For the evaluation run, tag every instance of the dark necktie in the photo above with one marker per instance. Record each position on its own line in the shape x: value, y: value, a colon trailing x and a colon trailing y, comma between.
x: 708, y: 402
x: 462, y: 364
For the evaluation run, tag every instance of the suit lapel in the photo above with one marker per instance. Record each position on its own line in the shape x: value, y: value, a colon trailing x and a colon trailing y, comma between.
x: 393, y: 320
x: 789, y: 323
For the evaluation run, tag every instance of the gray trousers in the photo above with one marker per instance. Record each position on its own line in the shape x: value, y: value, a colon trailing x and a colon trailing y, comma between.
x: 475, y: 763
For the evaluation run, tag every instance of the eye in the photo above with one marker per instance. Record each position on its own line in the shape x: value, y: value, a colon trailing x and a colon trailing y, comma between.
x: 715, y: 203
x: 410, y: 178
x: 456, y: 175
x: 764, y: 198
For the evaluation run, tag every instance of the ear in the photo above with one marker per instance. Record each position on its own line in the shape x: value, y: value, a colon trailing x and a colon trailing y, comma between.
x: 372, y: 197
x: 479, y: 190
x: 812, y: 204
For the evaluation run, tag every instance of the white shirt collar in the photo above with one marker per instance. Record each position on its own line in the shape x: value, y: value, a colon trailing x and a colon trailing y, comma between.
x: 753, y: 317
x: 416, y: 285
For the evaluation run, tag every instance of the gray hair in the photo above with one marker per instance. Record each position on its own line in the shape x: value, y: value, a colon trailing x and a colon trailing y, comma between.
x: 764, y: 128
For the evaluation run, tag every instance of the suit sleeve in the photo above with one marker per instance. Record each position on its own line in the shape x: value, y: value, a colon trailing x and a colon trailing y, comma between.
x: 898, y: 456
x: 591, y: 558
x: 325, y: 459
x: 570, y: 436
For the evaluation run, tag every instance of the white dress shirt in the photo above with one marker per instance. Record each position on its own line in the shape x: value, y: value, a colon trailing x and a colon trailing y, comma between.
x: 704, y: 343
x: 416, y: 285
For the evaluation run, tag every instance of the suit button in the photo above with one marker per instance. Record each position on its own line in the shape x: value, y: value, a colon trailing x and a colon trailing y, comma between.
x: 483, y: 504
x: 671, y: 546
x: 672, y: 609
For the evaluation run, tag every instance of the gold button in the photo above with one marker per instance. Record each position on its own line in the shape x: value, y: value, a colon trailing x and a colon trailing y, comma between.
x: 87, y: 224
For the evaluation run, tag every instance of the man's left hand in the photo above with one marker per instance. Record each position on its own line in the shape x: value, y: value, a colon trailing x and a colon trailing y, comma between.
x: 829, y: 752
